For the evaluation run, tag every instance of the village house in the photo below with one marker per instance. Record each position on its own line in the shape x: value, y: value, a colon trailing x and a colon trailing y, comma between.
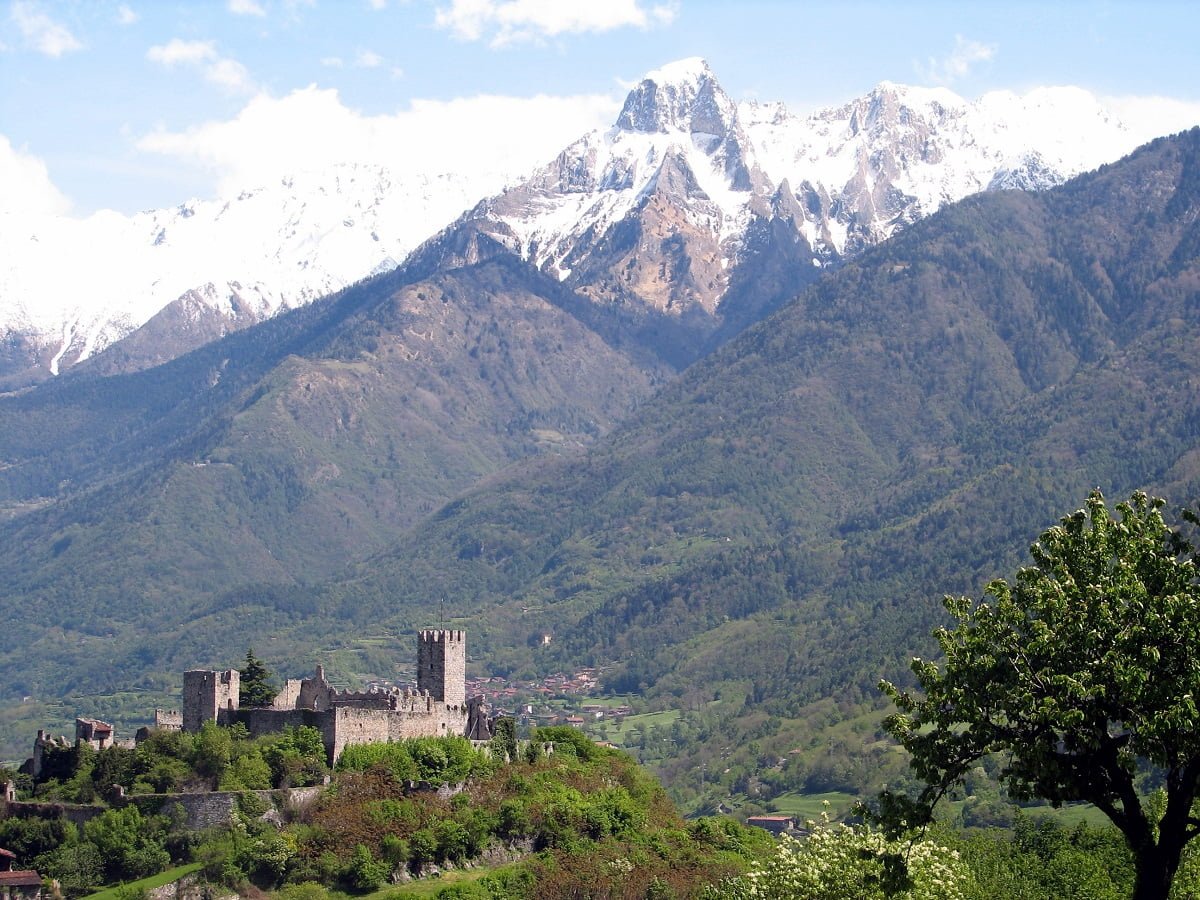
x: 17, y: 884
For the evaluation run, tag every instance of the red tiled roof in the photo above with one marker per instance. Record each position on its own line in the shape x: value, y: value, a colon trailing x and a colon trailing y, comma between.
x: 7, y: 854
x: 27, y: 878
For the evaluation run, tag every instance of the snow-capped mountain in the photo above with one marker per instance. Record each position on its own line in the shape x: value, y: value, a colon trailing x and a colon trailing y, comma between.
x: 861, y: 170
x: 676, y: 170
x: 681, y: 209
x: 660, y: 210
x: 71, y: 287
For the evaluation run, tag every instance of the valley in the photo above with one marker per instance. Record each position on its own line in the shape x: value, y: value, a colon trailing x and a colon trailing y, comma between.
x: 691, y: 441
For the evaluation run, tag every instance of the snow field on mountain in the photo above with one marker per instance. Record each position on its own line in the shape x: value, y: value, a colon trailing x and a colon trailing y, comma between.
x: 873, y: 164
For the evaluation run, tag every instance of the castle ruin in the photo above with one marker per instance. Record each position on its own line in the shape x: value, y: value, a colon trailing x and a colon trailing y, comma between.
x: 436, y: 708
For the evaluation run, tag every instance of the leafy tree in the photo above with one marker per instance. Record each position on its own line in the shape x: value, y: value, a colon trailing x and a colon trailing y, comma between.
x: 255, y: 687
x: 365, y: 873
x: 76, y: 865
x: 212, y: 750
x: 296, y: 757
x: 130, y: 844
x: 29, y: 837
x: 453, y: 840
x: 248, y: 772
x: 422, y: 848
x: 1084, y: 674
x: 504, y: 741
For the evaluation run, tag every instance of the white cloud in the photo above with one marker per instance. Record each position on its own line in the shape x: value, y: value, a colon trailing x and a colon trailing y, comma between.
x: 245, y: 8
x: 40, y: 31
x: 377, y: 4
x: 229, y: 74
x: 511, y: 21
x: 368, y: 59
x: 125, y: 15
x: 332, y: 62
x: 311, y: 129
x: 25, y: 185
x: 180, y: 52
x: 958, y: 63
x: 1151, y: 117
x: 219, y: 70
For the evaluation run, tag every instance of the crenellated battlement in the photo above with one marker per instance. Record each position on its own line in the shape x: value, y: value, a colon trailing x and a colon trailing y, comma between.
x: 447, y: 635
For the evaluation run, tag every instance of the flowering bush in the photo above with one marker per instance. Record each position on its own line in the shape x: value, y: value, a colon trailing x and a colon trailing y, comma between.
x: 841, y: 862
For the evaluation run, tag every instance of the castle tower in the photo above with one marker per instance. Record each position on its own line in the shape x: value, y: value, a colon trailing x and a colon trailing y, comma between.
x: 207, y: 694
x: 442, y: 665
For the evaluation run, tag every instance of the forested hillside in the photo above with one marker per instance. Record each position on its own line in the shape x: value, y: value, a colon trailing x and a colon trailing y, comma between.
x: 136, y: 503
x: 757, y: 544
x: 778, y: 526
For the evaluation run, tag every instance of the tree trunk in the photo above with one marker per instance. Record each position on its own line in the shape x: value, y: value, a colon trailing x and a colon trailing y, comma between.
x: 1155, y: 871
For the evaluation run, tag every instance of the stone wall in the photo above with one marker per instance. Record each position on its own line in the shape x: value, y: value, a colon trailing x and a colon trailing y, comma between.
x: 169, y: 719
x: 72, y: 812
x: 315, y: 692
x: 349, y: 725
x: 201, y: 810
x: 193, y: 886
x: 218, y: 807
x: 289, y: 697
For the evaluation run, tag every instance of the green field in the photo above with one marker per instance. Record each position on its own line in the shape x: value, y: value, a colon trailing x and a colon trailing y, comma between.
x: 136, y: 888
x: 810, y: 806
x: 619, y: 734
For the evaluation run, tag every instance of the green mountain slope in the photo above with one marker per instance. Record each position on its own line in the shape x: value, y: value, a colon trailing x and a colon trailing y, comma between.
x: 778, y: 526
x: 136, y: 504
x: 757, y: 544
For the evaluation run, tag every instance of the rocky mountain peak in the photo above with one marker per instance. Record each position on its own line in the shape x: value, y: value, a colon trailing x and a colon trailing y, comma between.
x: 681, y: 96
x: 888, y: 106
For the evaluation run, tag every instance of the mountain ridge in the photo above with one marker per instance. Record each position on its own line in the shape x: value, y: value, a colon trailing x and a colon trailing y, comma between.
x: 855, y: 174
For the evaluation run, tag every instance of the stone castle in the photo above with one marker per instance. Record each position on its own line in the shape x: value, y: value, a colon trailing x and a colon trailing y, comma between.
x: 436, y: 708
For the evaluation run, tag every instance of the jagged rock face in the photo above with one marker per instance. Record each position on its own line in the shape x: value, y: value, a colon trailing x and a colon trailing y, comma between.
x: 647, y: 218
x: 1030, y: 173
x: 663, y: 254
x: 661, y: 213
x: 681, y: 97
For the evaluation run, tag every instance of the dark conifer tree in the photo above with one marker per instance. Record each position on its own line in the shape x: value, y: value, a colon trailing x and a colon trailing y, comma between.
x: 256, y: 687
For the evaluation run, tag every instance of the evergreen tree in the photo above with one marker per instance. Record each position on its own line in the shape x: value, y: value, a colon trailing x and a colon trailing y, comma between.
x: 256, y: 688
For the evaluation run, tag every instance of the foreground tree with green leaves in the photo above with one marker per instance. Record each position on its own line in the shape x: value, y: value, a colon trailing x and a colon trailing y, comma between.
x: 1085, y: 674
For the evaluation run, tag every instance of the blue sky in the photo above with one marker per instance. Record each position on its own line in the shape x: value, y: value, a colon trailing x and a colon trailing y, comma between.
x: 144, y: 103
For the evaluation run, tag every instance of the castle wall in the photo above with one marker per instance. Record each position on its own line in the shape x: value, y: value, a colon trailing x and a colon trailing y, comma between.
x: 289, y: 697
x: 75, y: 813
x: 168, y: 719
x: 215, y: 808
x: 358, y: 726
x: 265, y: 721
x: 315, y: 692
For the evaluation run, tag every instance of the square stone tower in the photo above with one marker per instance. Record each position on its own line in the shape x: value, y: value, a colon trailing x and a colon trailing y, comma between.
x: 207, y: 694
x: 442, y: 665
